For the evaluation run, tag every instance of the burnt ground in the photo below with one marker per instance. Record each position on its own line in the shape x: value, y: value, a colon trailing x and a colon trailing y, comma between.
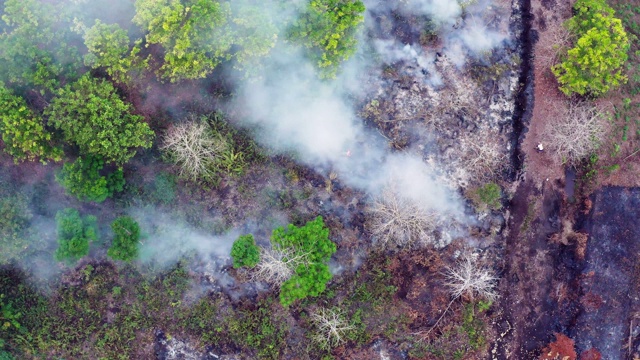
x: 554, y: 280
x: 609, y: 283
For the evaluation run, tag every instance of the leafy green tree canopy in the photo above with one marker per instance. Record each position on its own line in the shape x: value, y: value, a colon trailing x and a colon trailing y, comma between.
x: 34, y: 47
x: 125, y: 243
x: 82, y: 179
x: 91, y: 114
x: 311, y: 241
x: 245, y: 252
x: 328, y: 29
x: 108, y: 46
x: 595, y: 64
x: 189, y: 31
x: 74, y: 235
x: 23, y: 133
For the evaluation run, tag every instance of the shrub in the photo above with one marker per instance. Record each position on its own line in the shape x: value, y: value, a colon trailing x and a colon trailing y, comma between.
x: 82, y: 179
x: 74, y: 234
x: 594, y: 65
x: 328, y: 29
x: 245, y: 252
x: 125, y: 243
x: 23, y: 133
x: 14, y: 222
x: 91, y: 115
x: 312, y: 242
x: 487, y: 196
x: 163, y: 188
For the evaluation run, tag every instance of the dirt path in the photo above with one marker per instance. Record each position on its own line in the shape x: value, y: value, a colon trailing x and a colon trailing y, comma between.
x: 534, y: 303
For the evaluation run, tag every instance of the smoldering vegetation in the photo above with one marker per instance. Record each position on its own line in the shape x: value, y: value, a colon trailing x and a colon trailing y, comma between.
x: 402, y: 115
x: 387, y: 152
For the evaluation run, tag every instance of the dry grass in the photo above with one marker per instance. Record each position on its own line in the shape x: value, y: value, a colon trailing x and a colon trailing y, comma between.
x: 400, y: 221
x: 577, y: 132
x: 194, y: 148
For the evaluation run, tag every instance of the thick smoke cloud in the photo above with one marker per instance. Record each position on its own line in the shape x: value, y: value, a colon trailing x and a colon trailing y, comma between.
x: 294, y: 111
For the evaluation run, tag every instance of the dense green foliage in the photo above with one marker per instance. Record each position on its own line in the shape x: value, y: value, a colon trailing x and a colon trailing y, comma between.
x: 108, y: 46
x: 15, y: 217
x: 245, y: 252
x: 34, y: 46
x: 125, y: 243
x: 23, y: 133
x: 82, y: 179
x: 74, y: 234
x: 328, y: 29
x: 312, y: 241
x: 190, y: 33
x: 595, y: 64
x: 198, y: 35
x: 91, y: 115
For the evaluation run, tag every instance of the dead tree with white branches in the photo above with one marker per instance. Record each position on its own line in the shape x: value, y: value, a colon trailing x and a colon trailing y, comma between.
x: 194, y: 148
x: 577, y: 132
x: 331, y: 327
x: 469, y: 277
x: 276, y: 265
x: 398, y: 220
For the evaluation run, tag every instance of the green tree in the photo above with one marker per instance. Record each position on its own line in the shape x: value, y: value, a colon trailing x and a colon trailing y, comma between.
x: 82, y: 179
x: 74, y: 235
x: 595, y: 64
x: 190, y: 31
x: 35, y: 45
x: 125, y: 243
x: 254, y: 35
x: 245, y: 252
x: 23, y: 133
x: 328, y: 29
x: 311, y: 276
x: 109, y: 48
x: 91, y: 114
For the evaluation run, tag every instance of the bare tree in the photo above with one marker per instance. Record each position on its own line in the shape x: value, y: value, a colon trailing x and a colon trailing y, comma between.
x: 558, y: 42
x: 577, y: 132
x: 483, y: 159
x: 400, y: 220
x: 331, y: 327
x: 194, y: 148
x: 276, y: 265
x: 469, y: 277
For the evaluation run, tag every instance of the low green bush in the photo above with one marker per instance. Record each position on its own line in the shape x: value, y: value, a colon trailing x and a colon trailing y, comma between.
x: 82, y: 179
x: 74, y: 234
x: 125, y: 243
x: 245, y: 252
x: 312, y: 242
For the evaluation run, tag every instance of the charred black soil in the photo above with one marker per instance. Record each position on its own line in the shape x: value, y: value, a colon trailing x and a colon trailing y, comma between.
x: 609, y: 282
